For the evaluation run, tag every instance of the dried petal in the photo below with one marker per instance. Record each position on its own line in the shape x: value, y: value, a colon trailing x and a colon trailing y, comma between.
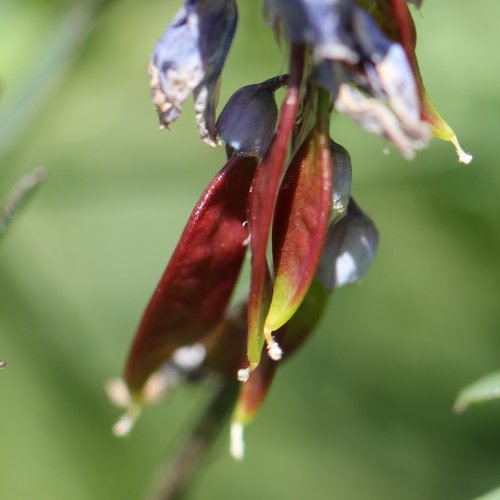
x: 385, y: 76
x: 373, y: 116
x: 206, y: 97
x: 372, y: 43
x: 322, y: 24
x: 403, y: 126
x: 189, y: 58
x: 395, y: 20
x: 397, y: 81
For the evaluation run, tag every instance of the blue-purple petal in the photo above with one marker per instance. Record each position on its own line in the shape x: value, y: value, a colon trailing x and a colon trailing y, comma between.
x: 189, y: 58
x: 322, y: 24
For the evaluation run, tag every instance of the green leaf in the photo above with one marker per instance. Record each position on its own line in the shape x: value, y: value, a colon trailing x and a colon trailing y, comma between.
x: 492, y: 495
x: 485, y: 389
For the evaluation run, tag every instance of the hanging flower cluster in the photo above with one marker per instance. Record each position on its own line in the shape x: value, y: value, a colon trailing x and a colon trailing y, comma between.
x: 286, y: 183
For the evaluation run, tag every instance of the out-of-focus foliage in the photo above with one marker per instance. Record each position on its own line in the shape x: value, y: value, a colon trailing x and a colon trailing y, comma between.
x: 365, y: 412
x: 485, y: 389
x: 493, y: 495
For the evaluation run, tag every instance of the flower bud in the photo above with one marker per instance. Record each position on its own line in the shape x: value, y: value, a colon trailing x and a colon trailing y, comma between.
x: 342, y: 179
x: 248, y: 121
x: 350, y: 249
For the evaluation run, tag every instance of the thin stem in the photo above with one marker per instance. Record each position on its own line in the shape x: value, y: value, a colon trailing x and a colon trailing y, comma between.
x: 18, y: 195
x: 67, y: 36
x: 181, y: 469
x: 275, y: 83
x: 44, y: 75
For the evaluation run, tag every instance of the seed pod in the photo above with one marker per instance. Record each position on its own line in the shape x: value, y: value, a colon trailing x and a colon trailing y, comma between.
x: 301, y: 221
x: 261, y: 207
x: 194, y: 291
x: 291, y: 336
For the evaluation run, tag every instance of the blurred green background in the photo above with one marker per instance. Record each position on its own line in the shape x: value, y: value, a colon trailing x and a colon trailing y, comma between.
x: 364, y: 412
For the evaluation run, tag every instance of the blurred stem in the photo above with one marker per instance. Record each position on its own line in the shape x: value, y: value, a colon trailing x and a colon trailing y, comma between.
x: 19, y: 194
x: 182, y: 468
x: 67, y: 35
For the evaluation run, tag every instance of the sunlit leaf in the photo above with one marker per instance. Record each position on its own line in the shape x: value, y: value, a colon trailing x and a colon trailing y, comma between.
x: 483, y: 390
x: 492, y: 495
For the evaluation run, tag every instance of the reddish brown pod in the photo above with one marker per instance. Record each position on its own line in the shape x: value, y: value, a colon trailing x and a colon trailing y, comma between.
x: 194, y: 291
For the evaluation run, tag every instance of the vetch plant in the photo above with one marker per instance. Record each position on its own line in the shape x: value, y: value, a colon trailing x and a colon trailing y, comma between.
x: 286, y: 184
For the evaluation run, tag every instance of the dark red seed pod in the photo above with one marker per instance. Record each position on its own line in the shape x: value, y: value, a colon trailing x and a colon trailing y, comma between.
x: 193, y: 293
